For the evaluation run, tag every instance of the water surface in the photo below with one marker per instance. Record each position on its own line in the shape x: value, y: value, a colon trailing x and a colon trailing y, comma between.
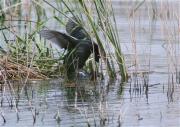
x: 149, y: 99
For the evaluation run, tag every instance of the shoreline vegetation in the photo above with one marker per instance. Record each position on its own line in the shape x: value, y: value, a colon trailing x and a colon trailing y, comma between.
x: 29, y: 56
x: 137, y: 71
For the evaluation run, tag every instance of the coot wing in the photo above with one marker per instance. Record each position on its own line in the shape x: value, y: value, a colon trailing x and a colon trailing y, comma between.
x: 61, y: 39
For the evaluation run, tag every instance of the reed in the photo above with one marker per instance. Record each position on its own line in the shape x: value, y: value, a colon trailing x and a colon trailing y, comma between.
x: 29, y: 50
x: 101, y: 25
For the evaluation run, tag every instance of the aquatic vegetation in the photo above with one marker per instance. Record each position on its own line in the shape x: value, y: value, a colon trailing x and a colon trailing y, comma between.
x: 149, y: 29
x: 28, y: 49
x: 101, y: 25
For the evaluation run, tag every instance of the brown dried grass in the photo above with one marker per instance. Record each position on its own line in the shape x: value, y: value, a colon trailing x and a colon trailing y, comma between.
x: 10, y: 70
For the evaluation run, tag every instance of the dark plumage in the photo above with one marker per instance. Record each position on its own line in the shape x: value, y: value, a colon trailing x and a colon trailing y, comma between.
x: 78, y: 49
x: 74, y: 28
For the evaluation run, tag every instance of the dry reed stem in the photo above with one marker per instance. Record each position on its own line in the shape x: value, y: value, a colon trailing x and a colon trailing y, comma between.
x: 17, y: 71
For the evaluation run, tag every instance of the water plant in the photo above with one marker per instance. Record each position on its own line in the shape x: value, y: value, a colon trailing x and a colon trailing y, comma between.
x: 100, y: 24
x: 32, y: 52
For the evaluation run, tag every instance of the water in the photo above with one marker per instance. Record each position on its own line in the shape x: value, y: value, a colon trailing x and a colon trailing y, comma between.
x: 149, y: 99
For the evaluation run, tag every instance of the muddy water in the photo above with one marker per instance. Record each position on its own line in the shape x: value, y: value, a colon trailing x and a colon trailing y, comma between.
x: 149, y: 99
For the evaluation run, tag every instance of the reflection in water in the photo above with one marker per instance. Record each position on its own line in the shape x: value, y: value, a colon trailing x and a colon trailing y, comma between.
x: 105, y: 103
x: 151, y: 97
x: 46, y: 101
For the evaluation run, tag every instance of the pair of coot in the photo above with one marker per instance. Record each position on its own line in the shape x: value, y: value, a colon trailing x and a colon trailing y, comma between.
x: 78, y: 44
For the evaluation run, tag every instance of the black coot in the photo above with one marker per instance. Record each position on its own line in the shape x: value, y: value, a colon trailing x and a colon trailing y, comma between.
x: 77, y: 43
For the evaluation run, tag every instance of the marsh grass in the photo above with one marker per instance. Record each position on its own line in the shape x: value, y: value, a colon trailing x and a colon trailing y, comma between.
x: 27, y: 56
x: 25, y: 48
x: 101, y: 26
